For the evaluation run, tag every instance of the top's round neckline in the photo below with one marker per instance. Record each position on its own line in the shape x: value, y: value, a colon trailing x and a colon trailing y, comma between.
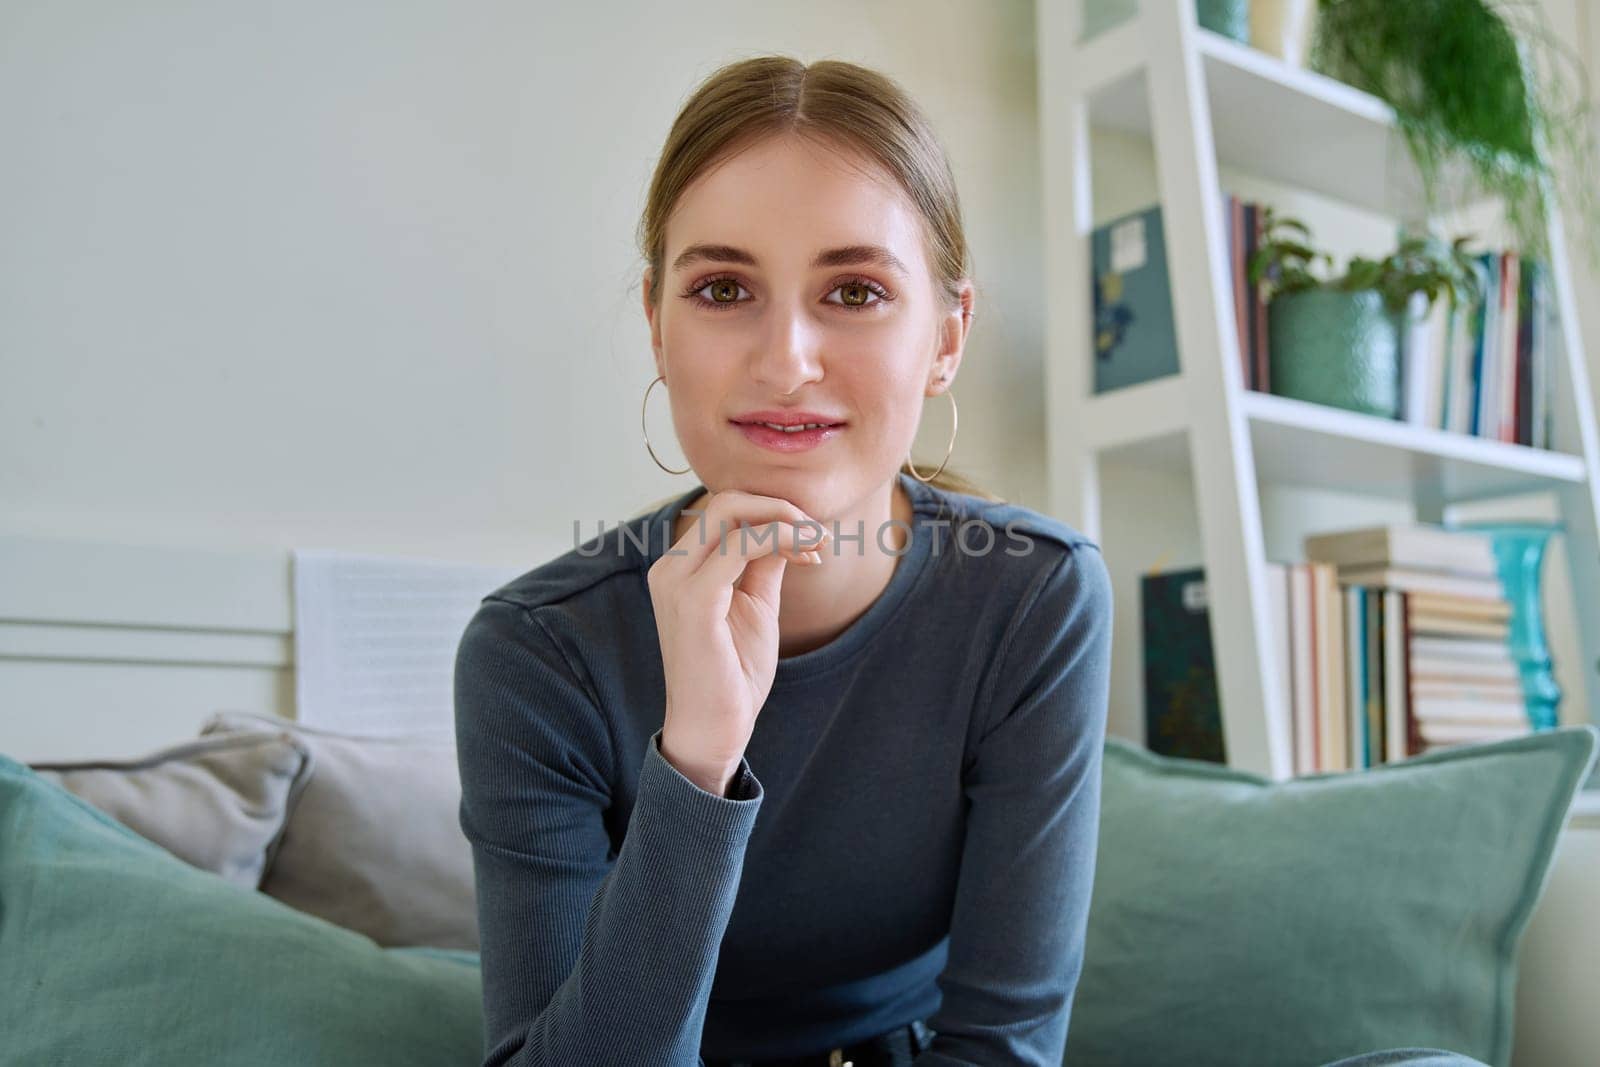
x: 910, y: 565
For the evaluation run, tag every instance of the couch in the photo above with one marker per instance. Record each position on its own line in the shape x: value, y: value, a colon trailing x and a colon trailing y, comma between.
x: 269, y: 893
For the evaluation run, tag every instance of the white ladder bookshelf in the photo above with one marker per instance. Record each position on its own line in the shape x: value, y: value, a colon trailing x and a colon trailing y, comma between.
x: 1201, y: 99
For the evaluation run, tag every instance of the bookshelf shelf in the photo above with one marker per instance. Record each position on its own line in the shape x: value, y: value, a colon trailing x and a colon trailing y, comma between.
x: 1137, y: 415
x: 1346, y: 144
x: 1315, y: 446
x: 1204, y: 101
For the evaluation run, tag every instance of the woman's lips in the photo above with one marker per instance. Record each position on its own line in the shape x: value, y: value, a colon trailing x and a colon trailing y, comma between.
x: 786, y: 440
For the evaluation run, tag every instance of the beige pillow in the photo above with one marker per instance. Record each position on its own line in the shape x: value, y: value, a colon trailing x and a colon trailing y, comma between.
x: 218, y: 803
x: 374, y: 842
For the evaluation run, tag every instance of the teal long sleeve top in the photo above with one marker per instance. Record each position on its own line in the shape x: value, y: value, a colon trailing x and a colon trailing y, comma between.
x: 911, y: 833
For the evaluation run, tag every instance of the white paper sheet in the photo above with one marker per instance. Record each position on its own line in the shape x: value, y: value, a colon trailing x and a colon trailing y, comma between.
x: 375, y: 639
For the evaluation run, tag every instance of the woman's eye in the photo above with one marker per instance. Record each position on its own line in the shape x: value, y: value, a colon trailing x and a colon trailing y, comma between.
x: 855, y: 295
x: 721, y: 291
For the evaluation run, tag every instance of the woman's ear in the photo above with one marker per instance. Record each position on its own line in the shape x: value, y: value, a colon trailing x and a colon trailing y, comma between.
x: 653, y: 317
x: 954, y: 327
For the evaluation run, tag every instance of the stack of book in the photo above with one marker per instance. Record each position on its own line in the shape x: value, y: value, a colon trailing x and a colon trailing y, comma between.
x: 1425, y: 628
x: 1392, y: 641
x: 1483, y: 368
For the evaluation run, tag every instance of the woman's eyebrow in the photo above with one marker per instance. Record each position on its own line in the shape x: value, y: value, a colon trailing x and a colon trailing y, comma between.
x: 845, y: 256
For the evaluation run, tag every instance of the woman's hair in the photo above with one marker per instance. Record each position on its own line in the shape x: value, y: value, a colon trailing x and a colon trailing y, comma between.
x: 842, y: 105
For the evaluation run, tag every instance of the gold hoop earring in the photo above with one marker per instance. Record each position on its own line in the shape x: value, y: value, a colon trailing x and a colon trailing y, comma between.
x: 951, y: 394
x: 642, y: 408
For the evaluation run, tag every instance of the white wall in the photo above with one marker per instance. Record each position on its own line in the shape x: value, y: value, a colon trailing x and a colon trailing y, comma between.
x: 362, y: 275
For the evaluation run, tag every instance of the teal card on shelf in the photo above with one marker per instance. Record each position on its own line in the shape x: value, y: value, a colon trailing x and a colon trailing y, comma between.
x: 1134, y: 338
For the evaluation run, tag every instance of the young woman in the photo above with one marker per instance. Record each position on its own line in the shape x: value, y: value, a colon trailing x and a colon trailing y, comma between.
x: 741, y: 793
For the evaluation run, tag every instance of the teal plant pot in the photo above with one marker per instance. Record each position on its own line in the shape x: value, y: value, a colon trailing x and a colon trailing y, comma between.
x: 1336, y: 348
x: 1231, y: 18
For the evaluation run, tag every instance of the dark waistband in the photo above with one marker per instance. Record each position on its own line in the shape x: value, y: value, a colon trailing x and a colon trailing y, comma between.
x: 891, y: 1049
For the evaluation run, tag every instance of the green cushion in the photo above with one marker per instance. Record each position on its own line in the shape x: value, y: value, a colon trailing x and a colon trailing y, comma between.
x: 1241, y: 921
x: 111, y: 950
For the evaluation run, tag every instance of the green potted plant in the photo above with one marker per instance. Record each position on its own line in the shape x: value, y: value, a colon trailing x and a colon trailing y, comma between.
x: 1482, y: 90
x: 1339, y: 340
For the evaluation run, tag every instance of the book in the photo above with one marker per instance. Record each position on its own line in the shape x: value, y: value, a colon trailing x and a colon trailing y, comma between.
x: 1330, y: 645
x: 1453, y: 627
x: 1278, y: 603
x: 1134, y: 335
x: 1524, y: 363
x: 1539, y: 357
x: 1468, y: 607
x: 1487, y: 690
x: 1473, y: 712
x: 1419, y: 359
x: 1183, y: 715
x: 1455, y: 648
x: 1372, y: 605
x: 1397, y: 710
x: 1463, y: 349
x: 1415, y: 581
x: 1238, y: 268
x: 1448, y: 359
x: 1506, y: 352
x: 1414, y: 545
x: 1485, y: 330
x: 1245, y: 224
x: 1433, y: 669
x: 1355, y: 665
x: 1464, y: 732
x: 1302, y: 655
x: 1414, y: 743
x: 1258, y: 306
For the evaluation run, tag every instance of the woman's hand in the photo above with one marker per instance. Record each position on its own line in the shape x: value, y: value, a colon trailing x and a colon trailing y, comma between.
x: 716, y: 596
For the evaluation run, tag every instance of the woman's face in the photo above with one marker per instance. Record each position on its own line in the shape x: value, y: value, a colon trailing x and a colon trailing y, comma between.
x: 796, y: 281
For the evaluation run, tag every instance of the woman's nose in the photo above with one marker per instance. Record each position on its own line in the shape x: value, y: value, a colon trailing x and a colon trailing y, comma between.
x: 790, y: 352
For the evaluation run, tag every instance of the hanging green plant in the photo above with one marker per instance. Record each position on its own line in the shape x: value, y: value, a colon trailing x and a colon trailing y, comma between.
x: 1482, y: 84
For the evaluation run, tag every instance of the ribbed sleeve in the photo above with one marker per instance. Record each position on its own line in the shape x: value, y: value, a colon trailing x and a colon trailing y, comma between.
x: 1022, y: 900
x: 588, y: 957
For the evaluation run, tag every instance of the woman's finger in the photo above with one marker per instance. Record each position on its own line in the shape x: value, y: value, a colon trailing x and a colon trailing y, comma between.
x: 728, y: 560
x: 725, y: 511
x: 763, y: 579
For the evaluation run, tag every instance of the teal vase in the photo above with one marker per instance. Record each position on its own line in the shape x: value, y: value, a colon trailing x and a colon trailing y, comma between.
x: 1519, y: 549
x: 1338, y: 348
